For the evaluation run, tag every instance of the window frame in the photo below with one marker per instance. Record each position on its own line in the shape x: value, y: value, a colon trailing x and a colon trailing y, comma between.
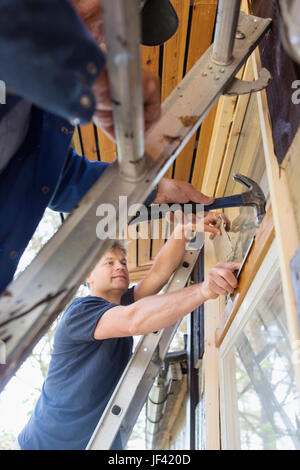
x: 230, y: 438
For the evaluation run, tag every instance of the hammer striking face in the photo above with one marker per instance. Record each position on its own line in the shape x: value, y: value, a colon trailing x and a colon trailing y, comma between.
x: 253, y: 197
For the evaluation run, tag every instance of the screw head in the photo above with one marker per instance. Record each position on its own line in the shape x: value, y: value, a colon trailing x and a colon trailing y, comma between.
x: 92, y: 68
x: 13, y: 254
x: 75, y: 121
x: 85, y: 101
x: 116, y: 410
x: 45, y: 189
x: 239, y: 35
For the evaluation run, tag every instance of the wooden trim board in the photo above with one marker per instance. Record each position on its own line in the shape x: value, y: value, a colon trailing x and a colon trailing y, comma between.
x: 259, y: 249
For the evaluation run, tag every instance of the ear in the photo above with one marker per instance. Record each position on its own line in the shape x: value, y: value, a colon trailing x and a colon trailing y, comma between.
x: 89, y: 279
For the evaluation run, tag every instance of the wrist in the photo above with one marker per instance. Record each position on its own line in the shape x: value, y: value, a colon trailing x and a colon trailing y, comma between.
x: 204, y: 293
x: 162, y: 190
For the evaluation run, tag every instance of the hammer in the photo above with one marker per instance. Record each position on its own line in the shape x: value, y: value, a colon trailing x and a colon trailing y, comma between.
x: 254, y: 197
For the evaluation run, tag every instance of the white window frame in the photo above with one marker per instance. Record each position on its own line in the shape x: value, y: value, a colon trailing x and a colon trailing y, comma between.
x: 230, y: 438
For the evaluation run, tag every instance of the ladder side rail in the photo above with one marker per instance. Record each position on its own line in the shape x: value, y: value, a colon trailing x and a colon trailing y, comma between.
x: 122, y: 30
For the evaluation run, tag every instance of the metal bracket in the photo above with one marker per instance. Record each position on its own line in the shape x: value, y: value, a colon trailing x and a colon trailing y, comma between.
x: 242, y: 87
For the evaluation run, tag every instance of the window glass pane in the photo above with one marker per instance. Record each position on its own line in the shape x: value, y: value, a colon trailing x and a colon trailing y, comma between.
x: 268, y: 400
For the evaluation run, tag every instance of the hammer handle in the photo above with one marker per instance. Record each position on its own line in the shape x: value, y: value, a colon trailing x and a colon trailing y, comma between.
x: 223, y: 202
x: 219, y: 203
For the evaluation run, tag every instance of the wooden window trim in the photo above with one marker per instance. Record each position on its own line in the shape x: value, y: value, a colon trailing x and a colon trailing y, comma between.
x: 259, y: 249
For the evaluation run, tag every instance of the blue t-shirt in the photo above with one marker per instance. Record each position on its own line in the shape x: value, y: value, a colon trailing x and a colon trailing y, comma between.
x: 83, y: 373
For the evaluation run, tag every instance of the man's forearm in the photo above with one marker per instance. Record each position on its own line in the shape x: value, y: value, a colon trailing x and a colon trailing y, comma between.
x: 159, y: 311
x: 171, y: 254
x: 165, y: 263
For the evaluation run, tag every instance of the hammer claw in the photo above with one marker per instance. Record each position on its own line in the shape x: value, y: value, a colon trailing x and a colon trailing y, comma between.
x: 247, y: 182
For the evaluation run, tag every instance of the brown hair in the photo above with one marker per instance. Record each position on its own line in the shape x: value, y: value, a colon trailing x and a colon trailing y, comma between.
x: 118, y: 245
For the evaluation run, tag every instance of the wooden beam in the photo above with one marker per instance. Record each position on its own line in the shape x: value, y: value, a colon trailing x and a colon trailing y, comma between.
x: 144, y: 243
x: 107, y: 148
x: 150, y: 58
x: 203, y: 20
x: 174, y: 55
x: 235, y: 134
x: 217, y: 148
x: 158, y: 243
x: 131, y: 255
x: 203, y: 148
x: 224, y: 136
x: 89, y: 142
x: 174, y: 51
x: 216, y: 158
x: 76, y: 142
x: 211, y: 359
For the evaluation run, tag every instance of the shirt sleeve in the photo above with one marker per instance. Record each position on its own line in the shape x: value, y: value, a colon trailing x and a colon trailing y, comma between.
x: 77, y: 178
x: 128, y: 297
x: 82, y: 316
x: 48, y: 56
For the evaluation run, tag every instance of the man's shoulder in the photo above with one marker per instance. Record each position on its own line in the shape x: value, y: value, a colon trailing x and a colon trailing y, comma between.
x: 80, y: 318
x: 85, y: 302
x: 88, y: 305
x: 91, y: 300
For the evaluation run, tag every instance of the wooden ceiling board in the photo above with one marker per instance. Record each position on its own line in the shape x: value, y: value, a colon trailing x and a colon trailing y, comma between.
x: 201, y: 33
x: 174, y: 51
x: 174, y: 56
x: 107, y: 148
x: 203, y: 148
x: 89, y: 142
x: 150, y: 58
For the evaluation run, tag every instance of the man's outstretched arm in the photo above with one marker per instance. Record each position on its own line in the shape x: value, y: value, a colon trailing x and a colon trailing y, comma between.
x: 159, y: 311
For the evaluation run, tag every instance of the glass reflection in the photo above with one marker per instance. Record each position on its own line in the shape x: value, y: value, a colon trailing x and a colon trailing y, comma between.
x: 268, y: 400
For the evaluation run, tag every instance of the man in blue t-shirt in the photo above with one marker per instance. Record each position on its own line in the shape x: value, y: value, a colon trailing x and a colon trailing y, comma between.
x: 93, y: 341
